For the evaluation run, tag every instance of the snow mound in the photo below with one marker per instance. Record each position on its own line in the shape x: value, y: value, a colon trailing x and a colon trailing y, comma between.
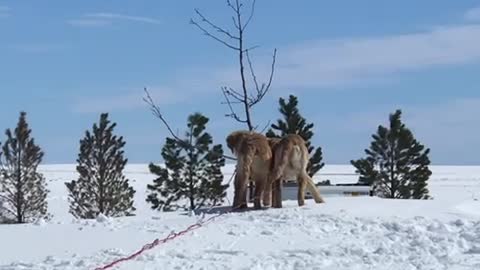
x: 101, y: 218
x: 40, y: 222
x: 293, y: 239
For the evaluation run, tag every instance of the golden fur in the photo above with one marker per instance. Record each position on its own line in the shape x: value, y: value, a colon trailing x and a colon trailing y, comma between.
x: 254, y: 158
x: 290, y: 161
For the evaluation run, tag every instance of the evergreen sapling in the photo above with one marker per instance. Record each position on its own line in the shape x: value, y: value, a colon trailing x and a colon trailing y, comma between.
x: 294, y: 123
x: 101, y: 187
x: 396, y: 164
x: 23, y: 190
x: 192, y: 177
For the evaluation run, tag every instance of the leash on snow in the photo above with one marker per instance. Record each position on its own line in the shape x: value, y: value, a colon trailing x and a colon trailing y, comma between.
x: 173, y: 235
x: 157, y: 242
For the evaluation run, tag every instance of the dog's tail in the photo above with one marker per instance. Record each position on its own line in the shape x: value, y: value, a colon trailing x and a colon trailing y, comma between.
x: 246, y: 160
x: 281, y: 158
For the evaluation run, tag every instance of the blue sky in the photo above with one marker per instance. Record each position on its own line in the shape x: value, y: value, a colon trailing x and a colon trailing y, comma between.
x: 351, y: 63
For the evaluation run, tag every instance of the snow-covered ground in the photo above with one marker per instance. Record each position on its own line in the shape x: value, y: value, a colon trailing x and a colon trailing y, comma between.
x: 343, y: 233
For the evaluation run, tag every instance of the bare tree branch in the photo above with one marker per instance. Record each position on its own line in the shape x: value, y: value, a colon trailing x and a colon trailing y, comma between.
x: 233, y: 93
x: 252, y: 48
x: 265, y: 127
x: 266, y: 87
x: 235, y: 23
x: 253, y: 72
x: 156, y: 112
x: 252, y: 12
x: 229, y: 3
x: 231, y: 102
x: 248, y: 96
x: 232, y: 113
x: 214, y: 26
x: 207, y: 33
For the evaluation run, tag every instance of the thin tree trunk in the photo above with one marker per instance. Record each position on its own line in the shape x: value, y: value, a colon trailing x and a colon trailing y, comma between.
x: 244, y: 83
x: 190, y: 171
x: 102, y: 171
x: 394, y: 184
x: 19, y: 186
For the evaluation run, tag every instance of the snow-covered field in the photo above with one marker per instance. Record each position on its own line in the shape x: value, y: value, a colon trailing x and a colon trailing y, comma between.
x: 344, y: 233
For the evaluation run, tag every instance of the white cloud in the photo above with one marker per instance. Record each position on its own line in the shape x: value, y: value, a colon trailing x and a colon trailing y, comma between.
x: 125, y: 101
x: 113, y: 16
x: 333, y: 62
x: 104, y: 18
x: 38, y: 47
x: 361, y: 62
x: 357, y: 62
x: 473, y: 14
x: 88, y: 22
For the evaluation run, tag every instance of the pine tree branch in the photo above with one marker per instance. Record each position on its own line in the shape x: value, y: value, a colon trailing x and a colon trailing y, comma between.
x: 10, y: 192
x: 10, y: 212
x: 200, y: 204
x: 385, y: 185
x: 7, y: 199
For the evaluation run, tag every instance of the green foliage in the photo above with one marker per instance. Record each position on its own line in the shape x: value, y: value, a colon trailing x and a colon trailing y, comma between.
x: 396, y: 164
x: 23, y: 190
x: 192, y: 173
x: 294, y: 123
x: 101, y: 186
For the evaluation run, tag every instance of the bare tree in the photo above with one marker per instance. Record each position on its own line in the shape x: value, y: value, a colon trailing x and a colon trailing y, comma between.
x: 249, y: 95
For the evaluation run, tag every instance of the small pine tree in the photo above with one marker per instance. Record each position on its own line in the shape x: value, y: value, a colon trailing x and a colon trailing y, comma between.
x: 101, y: 186
x: 396, y: 164
x: 193, y: 171
x: 294, y: 123
x: 23, y: 189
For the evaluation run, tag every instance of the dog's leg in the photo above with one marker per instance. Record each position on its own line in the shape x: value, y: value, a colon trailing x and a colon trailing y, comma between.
x: 302, y: 184
x: 260, y: 182
x: 277, y: 194
x: 240, y: 199
x: 267, y: 193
